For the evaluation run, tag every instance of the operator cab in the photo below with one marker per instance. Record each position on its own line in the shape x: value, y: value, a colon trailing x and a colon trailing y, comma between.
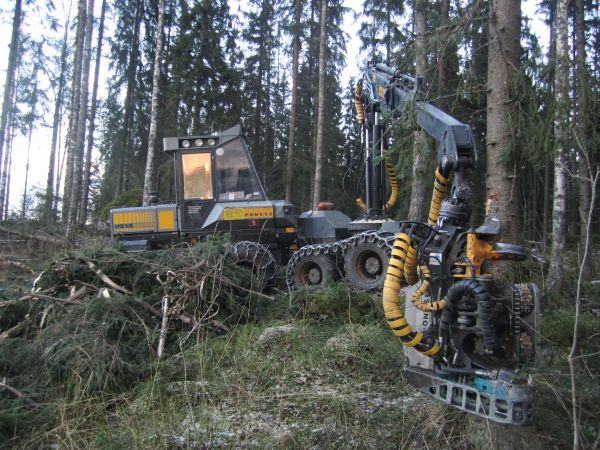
x: 210, y: 169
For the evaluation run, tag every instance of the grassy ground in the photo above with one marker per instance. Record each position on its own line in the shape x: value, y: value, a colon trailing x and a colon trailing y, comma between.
x: 325, y: 374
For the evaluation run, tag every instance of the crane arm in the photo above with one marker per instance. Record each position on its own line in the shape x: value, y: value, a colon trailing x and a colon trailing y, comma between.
x: 386, y: 90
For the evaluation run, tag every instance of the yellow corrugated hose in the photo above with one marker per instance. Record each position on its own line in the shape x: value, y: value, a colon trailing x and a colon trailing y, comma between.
x: 439, y: 190
x: 416, y: 298
x: 391, y: 300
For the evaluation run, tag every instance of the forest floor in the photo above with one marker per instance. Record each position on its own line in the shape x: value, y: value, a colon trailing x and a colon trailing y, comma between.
x: 304, y: 370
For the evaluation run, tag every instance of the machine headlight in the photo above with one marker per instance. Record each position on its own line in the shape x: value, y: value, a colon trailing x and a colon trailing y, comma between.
x: 185, y: 143
x: 199, y: 143
x: 212, y: 142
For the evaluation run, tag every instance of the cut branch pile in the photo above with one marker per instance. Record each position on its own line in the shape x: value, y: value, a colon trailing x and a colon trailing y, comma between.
x: 196, y: 281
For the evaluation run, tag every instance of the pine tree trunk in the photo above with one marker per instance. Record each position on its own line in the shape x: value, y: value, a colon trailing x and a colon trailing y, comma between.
x: 561, y: 124
x: 294, y: 100
x: 503, y: 63
x: 582, y: 131
x: 58, y: 104
x: 79, y: 141
x: 9, y: 89
x: 420, y: 181
x: 85, y: 189
x: 150, y: 173
x: 74, y: 109
x: 321, y: 106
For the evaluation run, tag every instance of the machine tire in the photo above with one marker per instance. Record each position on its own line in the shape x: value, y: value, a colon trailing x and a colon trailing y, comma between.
x: 366, y: 259
x: 314, y: 270
x: 258, y: 258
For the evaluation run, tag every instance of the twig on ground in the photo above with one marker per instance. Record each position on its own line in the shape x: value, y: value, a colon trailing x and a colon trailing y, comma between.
x: 11, y: 389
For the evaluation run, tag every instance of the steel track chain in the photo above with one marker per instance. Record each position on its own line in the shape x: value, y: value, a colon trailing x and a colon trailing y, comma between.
x: 258, y: 255
x: 337, y: 249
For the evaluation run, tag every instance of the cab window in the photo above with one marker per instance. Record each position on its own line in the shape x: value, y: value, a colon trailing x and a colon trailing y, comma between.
x: 197, y: 176
x: 236, y: 177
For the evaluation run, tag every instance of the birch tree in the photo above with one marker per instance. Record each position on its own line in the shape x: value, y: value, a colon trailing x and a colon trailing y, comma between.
x: 85, y: 191
x: 150, y: 173
x: 79, y: 139
x: 74, y: 108
x: 321, y: 106
x: 9, y: 90
x: 561, y: 126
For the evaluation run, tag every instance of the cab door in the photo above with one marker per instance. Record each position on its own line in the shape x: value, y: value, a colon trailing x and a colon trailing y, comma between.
x: 196, y: 189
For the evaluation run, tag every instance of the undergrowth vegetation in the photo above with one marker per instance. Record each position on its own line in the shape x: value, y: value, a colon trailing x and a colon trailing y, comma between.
x: 306, y: 369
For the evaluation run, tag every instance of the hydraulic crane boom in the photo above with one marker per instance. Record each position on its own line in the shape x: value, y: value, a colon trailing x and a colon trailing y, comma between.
x: 383, y: 91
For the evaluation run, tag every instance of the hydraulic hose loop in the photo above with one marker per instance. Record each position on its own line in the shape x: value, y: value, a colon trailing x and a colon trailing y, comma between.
x: 410, y: 267
x: 486, y: 307
x: 439, y: 190
x: 391, y: 300
x: 360, y: 109
x: 416, y: 298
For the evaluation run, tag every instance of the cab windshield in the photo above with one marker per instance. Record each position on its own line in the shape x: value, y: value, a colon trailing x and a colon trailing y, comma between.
x: 236, y: 178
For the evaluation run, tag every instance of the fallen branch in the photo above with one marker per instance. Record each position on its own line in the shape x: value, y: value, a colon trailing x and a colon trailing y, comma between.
x: 36, y: 237
x: 163, y: 327
x: 72, y: 300
x: 11, y: 389
x: 181, y: 317
x: 17, y: 330
x: 106, y: 279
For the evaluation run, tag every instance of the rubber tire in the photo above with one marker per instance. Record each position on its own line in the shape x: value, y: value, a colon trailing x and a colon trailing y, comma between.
x: 356, y: 274
x: 255, y: 257
x: 328, y: 271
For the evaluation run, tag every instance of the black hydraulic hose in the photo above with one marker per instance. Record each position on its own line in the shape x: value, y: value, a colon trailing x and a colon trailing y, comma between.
x: 485, y: 306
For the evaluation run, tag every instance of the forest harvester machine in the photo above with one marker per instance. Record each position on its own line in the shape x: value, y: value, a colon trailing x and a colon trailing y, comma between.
x: 467, y: 335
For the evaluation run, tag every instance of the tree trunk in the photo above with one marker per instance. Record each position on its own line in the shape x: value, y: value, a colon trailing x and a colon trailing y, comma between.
x: 321, y: 106
x: 58, y: 103
x: 74, y: 107
x: 583, y: 135
x: 6, y: 165
x: 9, y: 90
x: 561, y: 126
x: 150, y: 174
x: 420, y: 181
x: 443, y: 60
x: 294, y: 100
x: 126, y: 137
x: 79, y: 141
x: 503, y: 63
x: 85, y: 191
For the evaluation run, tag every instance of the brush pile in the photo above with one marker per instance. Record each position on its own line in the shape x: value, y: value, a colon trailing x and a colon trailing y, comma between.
x: 201, y: 285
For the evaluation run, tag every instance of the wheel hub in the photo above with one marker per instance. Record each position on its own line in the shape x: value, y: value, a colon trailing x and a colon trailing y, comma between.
x: 314, y: 275
x: 372, y: 265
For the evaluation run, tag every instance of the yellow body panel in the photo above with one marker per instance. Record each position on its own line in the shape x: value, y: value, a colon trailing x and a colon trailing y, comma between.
x: 166, y: 219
